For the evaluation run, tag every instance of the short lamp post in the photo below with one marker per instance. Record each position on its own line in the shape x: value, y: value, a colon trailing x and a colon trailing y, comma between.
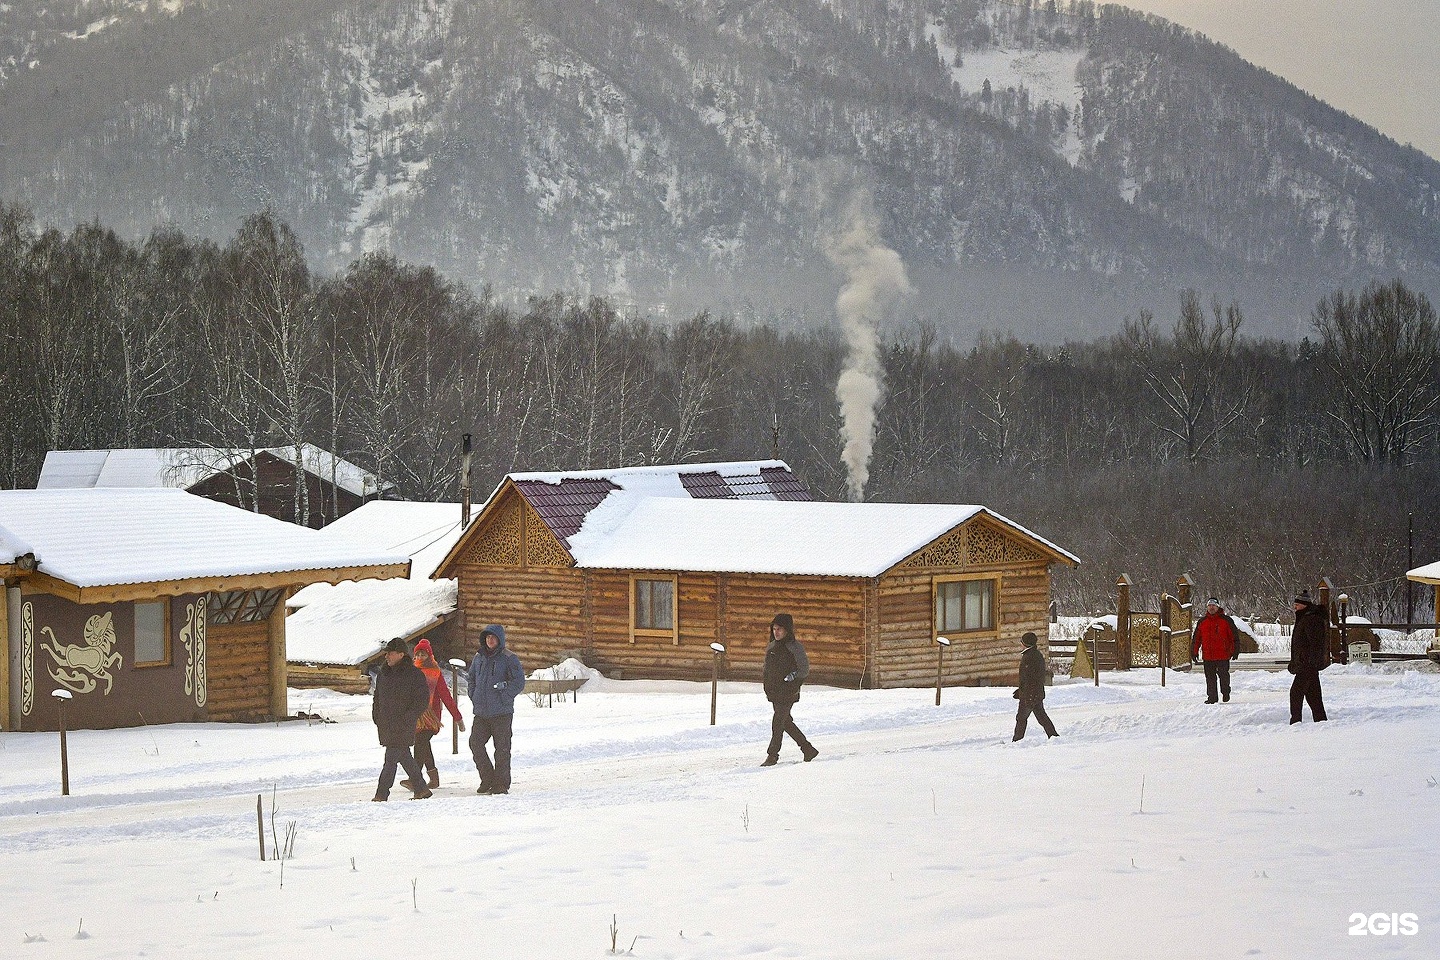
x: 61, y: 696
x: 719, y: 650
x: 940, y: 644
x: 456, y: 665
x: 1344, y: 630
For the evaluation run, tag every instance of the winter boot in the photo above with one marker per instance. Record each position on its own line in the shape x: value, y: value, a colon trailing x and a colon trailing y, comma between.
x: 422, y: 794
x: 770, y: 761
x: 434, y: 782
x: 407, y: 783
x: 810, y: 753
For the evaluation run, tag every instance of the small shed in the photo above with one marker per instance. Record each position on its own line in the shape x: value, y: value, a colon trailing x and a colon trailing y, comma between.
x: 152, y: 606
x: 336, y: 633
x: 639, y: 570
x: 263, y: 480
x: 1430, y: 574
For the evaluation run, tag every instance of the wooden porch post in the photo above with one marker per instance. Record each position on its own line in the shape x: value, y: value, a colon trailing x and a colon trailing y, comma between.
x: 4, y: 656
x: 279, y: 674
x: 1122, y: 624
x: 1326, y: 599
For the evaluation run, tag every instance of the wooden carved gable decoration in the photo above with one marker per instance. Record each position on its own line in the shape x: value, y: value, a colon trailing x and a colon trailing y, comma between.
x: 515, y: 536
x: 976, y: 543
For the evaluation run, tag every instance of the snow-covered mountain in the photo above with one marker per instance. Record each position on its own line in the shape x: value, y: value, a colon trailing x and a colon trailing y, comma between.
x: 1042, y: 167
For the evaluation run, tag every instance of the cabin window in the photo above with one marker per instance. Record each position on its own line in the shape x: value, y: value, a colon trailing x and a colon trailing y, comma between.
x: 652, y: 608
x: 965, y: 606
x: 152, y: 634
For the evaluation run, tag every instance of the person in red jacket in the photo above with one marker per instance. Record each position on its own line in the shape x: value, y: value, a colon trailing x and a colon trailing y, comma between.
x: 429, y: 723
x: 1217, y: 637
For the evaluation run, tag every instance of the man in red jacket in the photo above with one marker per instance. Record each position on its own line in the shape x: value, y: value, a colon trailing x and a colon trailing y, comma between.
x: 1216, y: 635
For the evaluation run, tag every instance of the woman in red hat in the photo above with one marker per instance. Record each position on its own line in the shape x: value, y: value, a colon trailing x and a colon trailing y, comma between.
x: 429, y: 723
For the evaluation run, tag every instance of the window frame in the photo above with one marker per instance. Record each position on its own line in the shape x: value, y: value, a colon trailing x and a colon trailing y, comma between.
x: 651, y: 633
x: 935, y: 584
x: 168, y: 658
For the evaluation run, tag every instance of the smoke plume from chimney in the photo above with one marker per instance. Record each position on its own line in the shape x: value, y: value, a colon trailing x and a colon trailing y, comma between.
x: 874, y: 282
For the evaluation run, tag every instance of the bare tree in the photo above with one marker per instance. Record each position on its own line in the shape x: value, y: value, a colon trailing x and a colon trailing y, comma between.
x: 1380, y: 350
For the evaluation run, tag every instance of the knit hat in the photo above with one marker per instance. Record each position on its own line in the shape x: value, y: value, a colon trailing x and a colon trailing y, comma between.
x: 1029, y: 639
x: 1212, y: 600
x: 422, y: 647
x: 1304, y: 597
x: 396, y: 645
x: 785, y: 622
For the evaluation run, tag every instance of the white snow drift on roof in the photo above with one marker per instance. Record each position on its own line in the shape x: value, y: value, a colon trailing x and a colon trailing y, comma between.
x: 350, y: 622
x: 12, y: 547
x: 1430, y: 573
x: 423, y: 531
x: 113, y: 536
x: 764, y: 536
x: 184, y: 467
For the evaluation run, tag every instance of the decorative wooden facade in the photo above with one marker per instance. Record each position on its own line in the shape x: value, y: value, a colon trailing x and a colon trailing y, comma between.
x: 168, y: 626
x: 874, y: 629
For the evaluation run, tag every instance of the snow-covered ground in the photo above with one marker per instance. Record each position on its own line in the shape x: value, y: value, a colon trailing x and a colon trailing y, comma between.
x: 1154, y: 826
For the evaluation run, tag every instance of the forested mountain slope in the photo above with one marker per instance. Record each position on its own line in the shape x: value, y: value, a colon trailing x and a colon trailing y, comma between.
x: 1039, y: 168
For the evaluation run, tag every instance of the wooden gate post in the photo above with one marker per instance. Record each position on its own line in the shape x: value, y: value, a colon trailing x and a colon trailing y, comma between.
x: 1164, y: 651
x: 1185, y: 594
x: 1122, y: 624
x: 1326, y: 599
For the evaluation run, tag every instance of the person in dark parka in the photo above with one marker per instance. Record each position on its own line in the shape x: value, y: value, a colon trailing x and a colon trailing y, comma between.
x: 1031, y: 693
x: 495, y: 679
x: 786, y: 667
x: 1309, y: 654
x: 401, y: 696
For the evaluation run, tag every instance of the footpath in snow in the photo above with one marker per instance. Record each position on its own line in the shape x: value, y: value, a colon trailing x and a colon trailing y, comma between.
x: 1155, y: 825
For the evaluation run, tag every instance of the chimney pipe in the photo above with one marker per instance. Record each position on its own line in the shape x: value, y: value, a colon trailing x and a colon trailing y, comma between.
x: 465, y: 482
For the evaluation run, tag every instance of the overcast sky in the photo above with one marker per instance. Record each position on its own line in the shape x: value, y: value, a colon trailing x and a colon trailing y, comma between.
x: 1376, y: 59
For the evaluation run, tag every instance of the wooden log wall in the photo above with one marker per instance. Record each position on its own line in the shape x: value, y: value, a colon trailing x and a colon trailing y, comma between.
x: 539, y: 607
x: 239, y: 671
x: 342, y: 679
x: 905, y: 647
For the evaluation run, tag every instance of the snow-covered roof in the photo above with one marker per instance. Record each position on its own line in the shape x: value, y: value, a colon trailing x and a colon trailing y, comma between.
x: 632, y: 531
x: 348, y: 623
x: 106, y: 537
x: 184, y: 467
x: 12, y: 547
x: 424, y: 532
x: 1430, y: 573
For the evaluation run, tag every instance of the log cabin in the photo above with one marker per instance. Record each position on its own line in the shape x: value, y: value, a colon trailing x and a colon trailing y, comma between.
x: 637, y: 571
x: 263, y: 480
x: 152, y: 606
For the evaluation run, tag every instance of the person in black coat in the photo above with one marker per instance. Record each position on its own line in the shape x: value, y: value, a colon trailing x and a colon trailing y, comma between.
x: 1032, y: 689
x: 401, y: 696
x: 786, y: 668
x: 1309, y: 654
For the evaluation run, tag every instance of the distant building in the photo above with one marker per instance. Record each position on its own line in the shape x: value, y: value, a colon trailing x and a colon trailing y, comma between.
x: 153, y: 606
x: 639, y: 570
x: 261, y: 480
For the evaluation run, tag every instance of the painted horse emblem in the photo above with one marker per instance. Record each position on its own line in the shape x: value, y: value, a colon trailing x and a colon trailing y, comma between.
x: 78, y: 668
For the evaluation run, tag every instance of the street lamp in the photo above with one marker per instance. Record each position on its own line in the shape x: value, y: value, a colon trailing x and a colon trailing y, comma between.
x: 940, y: 644
x: 719, y: 651
x: 60, y: 697
x: 456, y: 665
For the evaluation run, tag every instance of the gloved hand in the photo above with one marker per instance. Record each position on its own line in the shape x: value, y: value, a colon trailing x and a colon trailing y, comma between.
x: 500, y: 685
x: 1016, y: 694
x: 1290, y: 668
x: 461, y: 725
x: 790, y: 677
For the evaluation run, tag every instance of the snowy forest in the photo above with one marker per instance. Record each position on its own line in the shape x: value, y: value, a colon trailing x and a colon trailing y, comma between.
x: 1180, y: 444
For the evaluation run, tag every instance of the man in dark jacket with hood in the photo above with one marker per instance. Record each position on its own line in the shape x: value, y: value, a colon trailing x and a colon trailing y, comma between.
x: 401, y: 695
x: 786, y: 668
x: 495, y: 679
x: 1031, y: 693
x: 1309, y: 654
x: 1218, y: 641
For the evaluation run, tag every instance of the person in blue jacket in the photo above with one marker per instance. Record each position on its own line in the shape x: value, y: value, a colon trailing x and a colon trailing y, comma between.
x: 495, y: 679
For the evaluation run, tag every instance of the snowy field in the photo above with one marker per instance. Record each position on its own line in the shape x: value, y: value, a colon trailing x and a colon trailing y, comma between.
x: 1154, y: 826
